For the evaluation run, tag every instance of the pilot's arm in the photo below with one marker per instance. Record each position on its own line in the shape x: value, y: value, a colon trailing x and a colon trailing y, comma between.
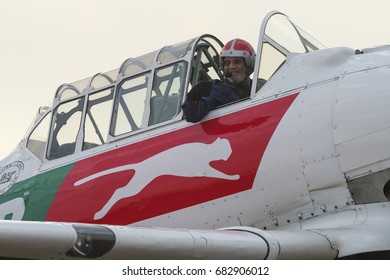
x: 206, y: 96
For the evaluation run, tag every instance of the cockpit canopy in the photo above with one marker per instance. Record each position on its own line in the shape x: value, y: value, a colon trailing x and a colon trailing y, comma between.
x: 148, y: 91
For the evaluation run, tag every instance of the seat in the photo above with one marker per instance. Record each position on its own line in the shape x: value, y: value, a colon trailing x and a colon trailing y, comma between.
x: 163, y: 108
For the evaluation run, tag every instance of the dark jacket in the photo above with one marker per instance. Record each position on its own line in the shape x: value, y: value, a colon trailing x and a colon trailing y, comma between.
x: 220, y: 93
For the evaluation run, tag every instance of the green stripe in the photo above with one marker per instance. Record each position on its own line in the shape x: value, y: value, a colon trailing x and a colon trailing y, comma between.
x: 38, y: 192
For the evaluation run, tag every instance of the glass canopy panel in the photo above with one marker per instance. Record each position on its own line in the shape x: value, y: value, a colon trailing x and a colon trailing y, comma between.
x: 103, y: 79
x: 290, y: 36
x: 67, y: 91
x: 97, y: 118
x: 130, y: 104
x: 65, y: 127
x: 136, y: 65
x: 36, y: 143
x: 174, y: 52
x: 100, y: 80
x: 271, y: 59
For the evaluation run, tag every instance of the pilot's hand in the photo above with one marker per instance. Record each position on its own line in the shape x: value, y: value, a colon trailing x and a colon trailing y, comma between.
x: 199, y: 90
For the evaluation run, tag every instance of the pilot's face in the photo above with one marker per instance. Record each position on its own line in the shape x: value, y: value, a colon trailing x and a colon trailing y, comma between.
x: 234, y: 69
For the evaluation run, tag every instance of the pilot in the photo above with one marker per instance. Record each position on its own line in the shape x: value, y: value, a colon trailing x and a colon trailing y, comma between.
x: 237, y: 60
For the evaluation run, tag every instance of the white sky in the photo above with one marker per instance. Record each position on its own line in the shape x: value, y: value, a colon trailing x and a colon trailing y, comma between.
x: 45, y: 43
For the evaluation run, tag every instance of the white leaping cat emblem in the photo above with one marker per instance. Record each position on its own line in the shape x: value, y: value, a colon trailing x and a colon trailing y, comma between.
x: 174, y: 162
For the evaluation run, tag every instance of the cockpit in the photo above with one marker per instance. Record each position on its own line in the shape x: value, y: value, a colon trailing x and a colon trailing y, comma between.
x: 147, y: 91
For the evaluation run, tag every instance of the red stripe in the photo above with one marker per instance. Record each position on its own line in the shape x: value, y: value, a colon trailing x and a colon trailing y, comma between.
x: 248, y: 132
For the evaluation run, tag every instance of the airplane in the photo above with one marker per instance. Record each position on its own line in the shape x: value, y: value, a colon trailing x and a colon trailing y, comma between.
x: 300, y: 170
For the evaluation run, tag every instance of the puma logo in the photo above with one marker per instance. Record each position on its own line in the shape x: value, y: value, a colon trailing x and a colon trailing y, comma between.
x: 174, y: 161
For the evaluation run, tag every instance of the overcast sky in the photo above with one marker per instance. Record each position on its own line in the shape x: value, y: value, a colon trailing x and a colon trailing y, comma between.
x: 45, y: 43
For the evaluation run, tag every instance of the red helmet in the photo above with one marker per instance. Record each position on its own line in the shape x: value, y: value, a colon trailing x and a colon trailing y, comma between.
x: 240, y: 48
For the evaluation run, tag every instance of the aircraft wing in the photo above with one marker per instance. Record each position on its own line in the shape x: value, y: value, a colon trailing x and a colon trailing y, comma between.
x: 50, y: 240
x: 320, y: 238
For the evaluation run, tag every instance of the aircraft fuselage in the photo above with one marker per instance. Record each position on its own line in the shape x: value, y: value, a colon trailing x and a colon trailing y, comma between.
x: 302, y: 146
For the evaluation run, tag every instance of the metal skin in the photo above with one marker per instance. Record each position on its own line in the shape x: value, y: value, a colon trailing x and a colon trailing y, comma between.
x: 298, y: 171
